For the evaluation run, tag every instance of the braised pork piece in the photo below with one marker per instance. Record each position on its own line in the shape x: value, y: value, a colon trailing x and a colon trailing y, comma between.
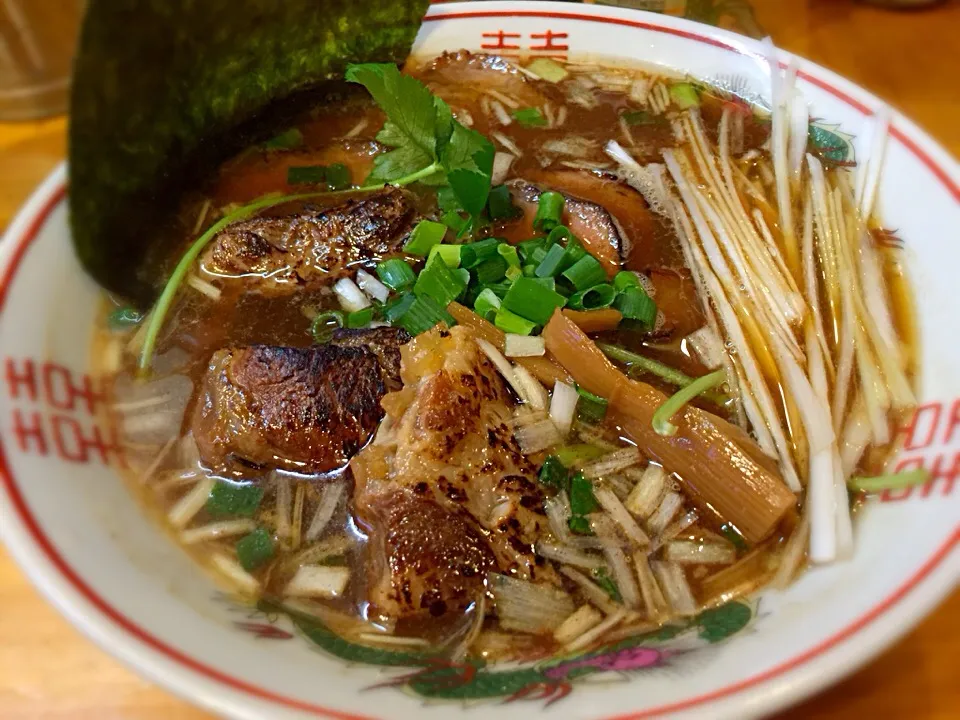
x: 520, y: 360
x: 306, y: 410
x: 282, y: 254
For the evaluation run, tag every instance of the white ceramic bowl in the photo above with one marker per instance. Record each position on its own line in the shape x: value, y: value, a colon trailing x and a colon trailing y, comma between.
x: 78, y: 533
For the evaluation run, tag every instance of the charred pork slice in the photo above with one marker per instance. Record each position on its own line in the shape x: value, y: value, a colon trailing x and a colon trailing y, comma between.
x: 305, y: 410
x: 451, y: 456
x: 597, y: 229
x: 428, y: 561
x: 384, y: 342
x: 281, y: 254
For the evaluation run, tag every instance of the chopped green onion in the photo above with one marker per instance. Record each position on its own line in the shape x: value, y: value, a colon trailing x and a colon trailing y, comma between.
x: 513, y: 272
x: 591, y: 408
x: 730, y: 532
x: 324, y: 324
x: 487, y: 304
x: 560, y: 233
x: 582, y: 501
x: 437, y: 281
x: 472, y: 254
x: 531, y: 300
x: 464, y: 276
x: 607, y: 583
x: 547, y: 282
x: 594, y: 298
x: 896, y: 481
x: 447, y: 199
x: 229, y: 499
x: 500, y: 289
x: 254, y: 549
x: 528, y: 248
x: 553, y: 473
x: 490, y: 270
x: 640, y: 117
x: 509, y: 253
x: 423, y: 314
x: 456, y: 222
x: 530, y: 271
x: 450, y: 254
x: 684, y: 95
x: 655, y: 367
x: 529, y: 117
x: 550, y: 265
x: 585, y: 273
x: 549, y: 70
x: 338, y: 176
x: 511, y: 323
x: 635, y: 305
x: 549, y: 211
x: 286, y: 140
x: 580, y: 525
x: 500, y: 204
x: 397, y: 307
x: 572, y: 253
x: 661, y: 418
x: 396, y: 274
x: 625, y: 279
x: 306, y: 174
x: 571, y: 455
x: 123, y: 318
x: 424, y: 236
x: 360, y: 318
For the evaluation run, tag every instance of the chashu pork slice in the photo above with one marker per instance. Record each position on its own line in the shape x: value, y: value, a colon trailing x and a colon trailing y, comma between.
x: 599, y: 231
x: 450, y: 455
x: 305, y: 410
x: 280, y: 254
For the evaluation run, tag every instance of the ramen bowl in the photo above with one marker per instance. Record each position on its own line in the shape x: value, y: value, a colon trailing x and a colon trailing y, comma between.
x: 78, y: 532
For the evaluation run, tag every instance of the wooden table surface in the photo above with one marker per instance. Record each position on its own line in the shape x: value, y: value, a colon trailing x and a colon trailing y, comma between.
x: 48, y: 670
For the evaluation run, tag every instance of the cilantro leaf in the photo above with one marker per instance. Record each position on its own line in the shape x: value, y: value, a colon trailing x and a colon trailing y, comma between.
x: 409, y: 105
x: 423, y: 133
x: 468, y: 161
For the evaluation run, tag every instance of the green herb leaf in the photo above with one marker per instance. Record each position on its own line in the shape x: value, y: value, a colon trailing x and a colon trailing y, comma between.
x: 287, y: 140
x: 306, y: 174
x: 255, y: 549
x: 425, y: 137
x: 553, y: 473
x: 231, y: 499
x: 338, y: 176
x: 468, y: 162
x: 582, y: 501
x: 412, y: 120
x: 580, y: 525
x: 603, y: 579
x: 640, y: 117
x: 529, y: 117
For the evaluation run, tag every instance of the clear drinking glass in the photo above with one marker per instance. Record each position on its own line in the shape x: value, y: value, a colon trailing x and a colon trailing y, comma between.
x: 37, y: 41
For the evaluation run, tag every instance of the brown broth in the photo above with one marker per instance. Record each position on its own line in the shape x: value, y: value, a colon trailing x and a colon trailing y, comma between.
x: 199, y: 325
